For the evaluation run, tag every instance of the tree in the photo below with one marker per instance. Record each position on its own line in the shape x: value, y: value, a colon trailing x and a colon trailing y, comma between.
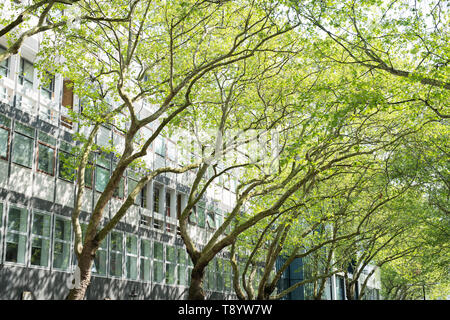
x: 169, y: 56
x: 399, y: 39
x: 22, y: 20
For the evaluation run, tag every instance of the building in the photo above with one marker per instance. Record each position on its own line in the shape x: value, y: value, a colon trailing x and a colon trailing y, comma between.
x: 144, y: 257
x: 334, y: 286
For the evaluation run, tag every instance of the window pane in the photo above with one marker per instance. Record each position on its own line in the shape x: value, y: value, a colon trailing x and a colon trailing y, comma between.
x: 62, y: 229
x: 170, y: 273
x: 145, y: 270
x: 46, y: 159
x: 119, y: 191
x: 48, y: 85
x: 101, y: 178
x: 40, y: 249
x: 201, y: 217
x: 182, y: 275
x: 4, y: 135
x: 88, y: 175
x: 158, y: 250
x: 17, y: 220
x: 116, y: 264
x: 4, y: 65
x: 16, y: 245
x: 26, y: 73
x: 41, y: 225
x: 116, y: 241
x: 145, y: 248
x: 65, y: 171
x: 61, y: 255
x: 158, y: 271
x: 99, y: 266
x: 22, y: 150
x: 131, y: 267
x: 132, y: 244
x: 131, y: 185
x: 182, y: 256
x: 170, y: 254
x: 26, y: 130
x: 155, y: 199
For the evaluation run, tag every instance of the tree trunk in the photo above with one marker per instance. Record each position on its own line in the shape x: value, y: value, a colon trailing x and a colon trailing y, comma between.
x: 196, y: 288
x: 85, y: 265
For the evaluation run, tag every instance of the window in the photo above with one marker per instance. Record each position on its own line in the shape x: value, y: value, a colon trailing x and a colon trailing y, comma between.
x: 26, y: 73
x: 99, y: 266
x: 227, y: 275
x: 156, y: 191
x: 179, y: 206
x: 158, y: 262
x: 193, y: 215
x: 101, y: 174
x: 171, y: 151
x: 67, y: 102
x: 160, y: 146
x: 144, y: 197
x: 132, y: 183
x: 145, y: 260
x: 182, y: 267
x: 40, y: 239
x: 88, y: 176
x: 201, y: 215
x: 220, y: 275
x: 119, y: 191
x: 171, y: 260
x: 131, y: 257
x: 115, y: 257
x: 104, y: 137
x: 168, y: 204
x: 61, y: 243
x: 210, y: 220
x: 211, y: 275
x: 189, y: 270
x: 46, y: 153
x: 16, y: 236
x: 23, y: 145
x: 66, y: 170
x: 48, y: 85
x: 340, y: 288
x: 5, y: 124
x: 4, y: 65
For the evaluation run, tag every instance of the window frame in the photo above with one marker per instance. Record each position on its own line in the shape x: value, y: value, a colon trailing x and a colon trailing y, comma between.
x: 162, y: 261
x: 142, y: 257
x: 20, y: 233
x: 34, y: 236
x: 122, y: 254
x: 48, y: 91
x: 132, y: 255
x: 45, y: 144
x: 8, y: 142
x: 59, y: 152
x: 6, y: 62
x: 64, y: 242
x: 102, y: 166
x: 168, y: 263
x: 21, y: 74
x: 27, y: 136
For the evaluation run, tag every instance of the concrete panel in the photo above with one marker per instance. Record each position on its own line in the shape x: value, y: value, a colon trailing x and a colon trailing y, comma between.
x: 65, y: 193
x: 44, y: 186
x: 20, y: 180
